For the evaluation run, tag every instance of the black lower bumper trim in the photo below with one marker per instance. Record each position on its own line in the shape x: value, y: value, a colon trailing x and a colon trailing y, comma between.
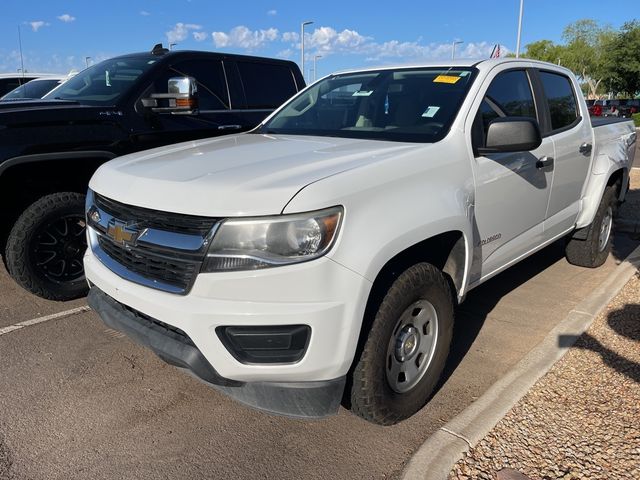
x: 296, y: 399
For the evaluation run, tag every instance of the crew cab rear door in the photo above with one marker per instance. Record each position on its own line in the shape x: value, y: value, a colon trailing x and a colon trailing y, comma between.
x: 567, y: 125
x: 512, y: 189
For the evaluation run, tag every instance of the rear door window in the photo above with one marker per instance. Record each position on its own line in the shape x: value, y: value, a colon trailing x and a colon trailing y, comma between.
x: 266, y: 86
x: 561, y: 99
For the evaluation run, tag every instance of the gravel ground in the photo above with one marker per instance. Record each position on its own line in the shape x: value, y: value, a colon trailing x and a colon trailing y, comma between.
x: 581, y: 421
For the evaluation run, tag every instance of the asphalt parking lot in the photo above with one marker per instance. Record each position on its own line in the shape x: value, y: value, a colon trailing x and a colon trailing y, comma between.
x: 80, y: 401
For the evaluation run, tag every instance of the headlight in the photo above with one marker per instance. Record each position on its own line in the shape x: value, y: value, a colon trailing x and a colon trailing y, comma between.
x: 253, y: 243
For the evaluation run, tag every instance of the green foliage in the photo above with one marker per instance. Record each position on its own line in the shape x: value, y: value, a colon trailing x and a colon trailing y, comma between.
x: 624, y: 59
x: 544, y: 50
x: 636, y: 119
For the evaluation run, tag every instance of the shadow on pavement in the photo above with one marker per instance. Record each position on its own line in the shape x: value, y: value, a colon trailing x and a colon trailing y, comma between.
x: 626, y: 323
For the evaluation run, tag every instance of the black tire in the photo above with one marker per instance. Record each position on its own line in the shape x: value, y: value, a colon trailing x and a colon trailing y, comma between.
x: 372, y: 395
x: 591, y: 252
x: 45, y: 247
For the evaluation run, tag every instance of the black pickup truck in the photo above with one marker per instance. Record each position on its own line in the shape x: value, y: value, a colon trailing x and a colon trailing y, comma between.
x: 49, y: 148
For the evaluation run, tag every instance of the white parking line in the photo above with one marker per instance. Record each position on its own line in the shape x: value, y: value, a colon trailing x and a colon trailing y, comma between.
x: 35, y: 321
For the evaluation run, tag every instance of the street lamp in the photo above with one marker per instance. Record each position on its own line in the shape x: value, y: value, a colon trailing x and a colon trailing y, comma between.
x: 453, y: 48
x: 315, y: 70
x: 519, y: 29
x: 171, y: 45
x: 307, y: 22
x: 86, y: 61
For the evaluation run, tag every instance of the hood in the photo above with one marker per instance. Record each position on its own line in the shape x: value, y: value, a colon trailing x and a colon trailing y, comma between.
x: 27, y: 103
x: 246, y: 174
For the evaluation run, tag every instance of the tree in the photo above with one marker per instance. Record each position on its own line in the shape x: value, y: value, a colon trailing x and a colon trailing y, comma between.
x: 586, y: 51
x: 624, y: 60
x: 544, y: 50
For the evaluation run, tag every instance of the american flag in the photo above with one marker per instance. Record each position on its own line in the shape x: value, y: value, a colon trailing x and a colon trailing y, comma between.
x: 495, y: 53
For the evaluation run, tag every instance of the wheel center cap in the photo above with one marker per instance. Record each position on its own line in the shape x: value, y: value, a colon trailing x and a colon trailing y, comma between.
x: 407, y: 343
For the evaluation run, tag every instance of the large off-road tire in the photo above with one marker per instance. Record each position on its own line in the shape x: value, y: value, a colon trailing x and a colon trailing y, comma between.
x: 406, y: 349
x: 46, y: 245
x: 593, y: 250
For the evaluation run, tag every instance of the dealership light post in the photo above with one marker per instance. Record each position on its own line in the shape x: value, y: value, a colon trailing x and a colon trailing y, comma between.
x: 315, y: 70
x: 308, y: 22
x: 453, y: 48
x: 519, y: 29
x: 86, y: 61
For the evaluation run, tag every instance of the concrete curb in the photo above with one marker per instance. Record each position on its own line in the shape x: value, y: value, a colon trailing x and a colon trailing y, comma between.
x: 439, y: 453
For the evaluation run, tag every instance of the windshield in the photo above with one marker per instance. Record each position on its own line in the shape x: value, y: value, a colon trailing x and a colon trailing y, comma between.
x: 104, y: 83
x: 32, y: 89
x: 405, y: 105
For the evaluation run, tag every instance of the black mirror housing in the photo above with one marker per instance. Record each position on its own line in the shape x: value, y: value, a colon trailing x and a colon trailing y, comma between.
x: 512, y: 134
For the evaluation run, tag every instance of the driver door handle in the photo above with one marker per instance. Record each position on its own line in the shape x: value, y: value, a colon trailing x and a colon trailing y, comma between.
x: 544, y: 162
x: 229, y: 127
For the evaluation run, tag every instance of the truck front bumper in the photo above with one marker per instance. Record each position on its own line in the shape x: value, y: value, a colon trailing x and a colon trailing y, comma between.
x: 323, y: 296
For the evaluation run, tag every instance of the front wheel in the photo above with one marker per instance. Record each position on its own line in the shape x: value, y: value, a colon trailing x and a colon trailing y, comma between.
x: 46, y: 245
x: 406, y: 349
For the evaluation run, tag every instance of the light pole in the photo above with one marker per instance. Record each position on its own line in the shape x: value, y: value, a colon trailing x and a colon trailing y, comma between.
x: 519, y: 29
x: 453, y: 48
x: 315, y: 70
x: 86, y: 61
x: 307, y: 22
x: 171, y: 45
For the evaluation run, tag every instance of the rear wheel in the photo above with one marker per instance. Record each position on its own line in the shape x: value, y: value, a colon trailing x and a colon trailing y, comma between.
x: 406, y: 349
x: 593, y: 250
x: 46, y: 245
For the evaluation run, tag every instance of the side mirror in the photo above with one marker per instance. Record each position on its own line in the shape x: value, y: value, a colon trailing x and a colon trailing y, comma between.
x: 181, y: 97
x: 512, y: 134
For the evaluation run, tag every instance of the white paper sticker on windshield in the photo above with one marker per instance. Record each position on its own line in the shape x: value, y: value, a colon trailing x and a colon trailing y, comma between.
x: 362, y: 93
x: 430, y: 112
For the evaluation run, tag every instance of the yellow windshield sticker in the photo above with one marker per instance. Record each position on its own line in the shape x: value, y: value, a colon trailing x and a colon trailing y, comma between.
x: 446, y: 79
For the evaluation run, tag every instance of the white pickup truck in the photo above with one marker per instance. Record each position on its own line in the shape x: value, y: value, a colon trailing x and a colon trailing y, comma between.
x: 320, y: 257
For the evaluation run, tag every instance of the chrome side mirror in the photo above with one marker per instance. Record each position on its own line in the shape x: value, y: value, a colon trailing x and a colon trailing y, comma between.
x: 181, y: 97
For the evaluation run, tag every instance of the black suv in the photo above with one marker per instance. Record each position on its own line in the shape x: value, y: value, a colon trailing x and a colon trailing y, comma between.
x: 49, y: 148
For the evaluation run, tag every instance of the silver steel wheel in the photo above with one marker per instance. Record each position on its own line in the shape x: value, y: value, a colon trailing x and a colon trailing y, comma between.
x: 411, y: 346
x: 605, y: 229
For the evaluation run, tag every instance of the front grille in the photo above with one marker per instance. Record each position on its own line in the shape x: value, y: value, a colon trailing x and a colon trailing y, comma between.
x: 169, y: 267
x: 148, y: 218
x: 171, y: 271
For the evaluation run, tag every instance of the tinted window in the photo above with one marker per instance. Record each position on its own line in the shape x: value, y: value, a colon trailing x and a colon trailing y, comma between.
x: 404, y: 105
x: 561, y: 99
x: 212, y: 86
x: 265, y: 85
x: 8, y: 84
x: 509, y: 95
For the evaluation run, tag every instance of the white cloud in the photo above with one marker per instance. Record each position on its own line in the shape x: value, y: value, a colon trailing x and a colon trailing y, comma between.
x: 200, y: 36
x: 37, y: 25
x: 290, y: 37
x: 243, y: 37
x: 272, y: 13
x: 180, y: 31
x: 66, y: 18
x: 144, y: 13
x: 328, y: 41
x: 288, y: 53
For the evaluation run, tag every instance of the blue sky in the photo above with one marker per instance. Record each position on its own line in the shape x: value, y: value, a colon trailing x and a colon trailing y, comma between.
x: 57, y: 35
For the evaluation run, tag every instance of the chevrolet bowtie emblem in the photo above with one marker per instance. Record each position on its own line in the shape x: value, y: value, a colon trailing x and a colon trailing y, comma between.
x: 120, y: 233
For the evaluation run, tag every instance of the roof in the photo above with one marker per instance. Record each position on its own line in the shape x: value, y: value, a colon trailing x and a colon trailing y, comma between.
x: 459, y: 63
x: 31, y: 75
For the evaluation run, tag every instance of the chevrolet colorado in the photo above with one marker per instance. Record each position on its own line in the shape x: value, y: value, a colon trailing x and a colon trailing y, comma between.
x: 320, y: 257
